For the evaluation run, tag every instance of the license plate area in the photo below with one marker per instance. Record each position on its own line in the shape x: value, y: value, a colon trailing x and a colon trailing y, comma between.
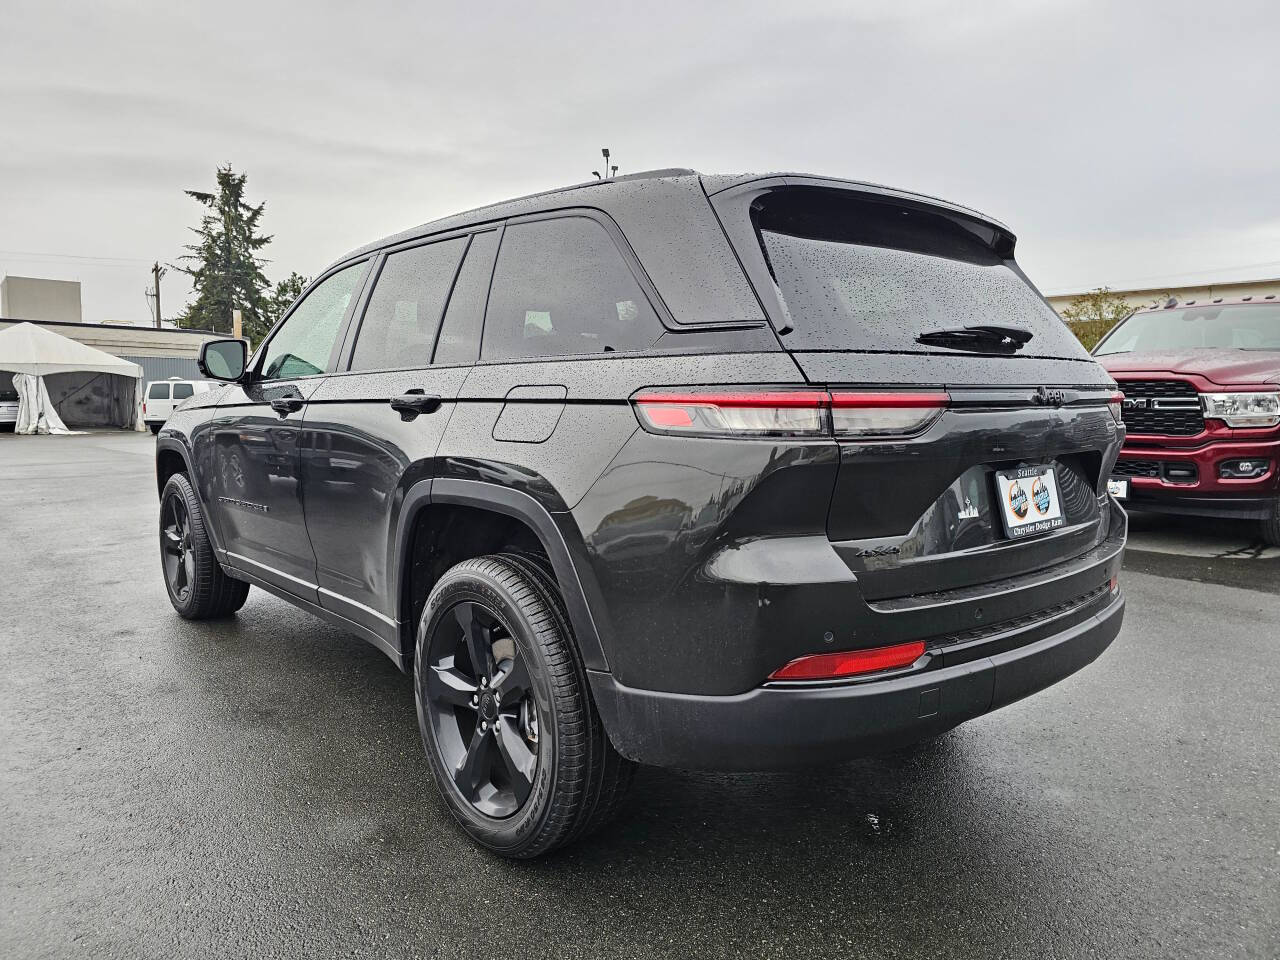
x: 1029, y: 501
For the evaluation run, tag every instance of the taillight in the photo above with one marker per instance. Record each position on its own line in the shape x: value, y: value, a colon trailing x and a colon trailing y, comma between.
x: 885, y: 414
x: 788, y: 413
x: 850, y: 663
x: 1115, y: 403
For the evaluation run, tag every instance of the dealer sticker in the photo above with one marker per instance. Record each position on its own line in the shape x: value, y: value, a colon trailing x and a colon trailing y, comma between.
x: 1029, y: 500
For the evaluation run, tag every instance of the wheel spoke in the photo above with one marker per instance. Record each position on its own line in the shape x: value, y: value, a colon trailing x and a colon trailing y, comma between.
x: 173, y: 540
x: 475, y: 767
x: 514, y: 684
x: 517, y: 758
x: 476, y: 635
x: 446, y: 685
x: 188, y: 567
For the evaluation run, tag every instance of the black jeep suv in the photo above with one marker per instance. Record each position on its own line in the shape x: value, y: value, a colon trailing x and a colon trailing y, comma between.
x: 714, y: 472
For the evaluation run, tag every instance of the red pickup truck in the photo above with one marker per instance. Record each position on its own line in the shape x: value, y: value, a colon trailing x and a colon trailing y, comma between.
x: 1201, y: 386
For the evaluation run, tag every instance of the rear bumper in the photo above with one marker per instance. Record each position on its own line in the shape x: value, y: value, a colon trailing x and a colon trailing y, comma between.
x: 781, y: 727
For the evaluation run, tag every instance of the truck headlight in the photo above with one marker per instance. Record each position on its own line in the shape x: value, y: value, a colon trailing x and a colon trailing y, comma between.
x: 1252, y: 409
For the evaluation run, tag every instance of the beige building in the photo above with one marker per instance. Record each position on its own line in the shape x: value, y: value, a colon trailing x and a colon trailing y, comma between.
x: 1147, y: 296
x: 34, y: 298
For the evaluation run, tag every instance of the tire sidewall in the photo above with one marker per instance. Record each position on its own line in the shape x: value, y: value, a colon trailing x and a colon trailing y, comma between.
x: 517, y: 831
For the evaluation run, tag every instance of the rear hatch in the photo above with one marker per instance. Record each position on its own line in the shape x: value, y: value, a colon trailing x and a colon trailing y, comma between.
x: 872, y: 289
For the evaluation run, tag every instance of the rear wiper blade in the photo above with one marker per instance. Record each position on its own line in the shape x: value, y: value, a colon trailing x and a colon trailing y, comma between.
x: 978, y: 337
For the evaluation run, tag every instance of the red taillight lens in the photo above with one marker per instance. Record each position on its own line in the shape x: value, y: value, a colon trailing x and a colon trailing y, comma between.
x: 850, y: 663
x: 766, y: 413
x: 791, y: 413
x: 1115, y: 403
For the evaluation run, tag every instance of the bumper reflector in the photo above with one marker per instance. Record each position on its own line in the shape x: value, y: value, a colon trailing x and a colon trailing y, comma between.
x: 850, y: 663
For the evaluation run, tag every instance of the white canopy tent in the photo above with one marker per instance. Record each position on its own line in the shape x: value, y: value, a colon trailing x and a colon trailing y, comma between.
x: 34, y: 353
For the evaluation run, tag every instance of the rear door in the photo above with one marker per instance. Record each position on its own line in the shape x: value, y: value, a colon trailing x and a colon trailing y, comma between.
x: 872, y: 291
x: 372, y: 429
x: 158, y: 405
x: 250, y: 453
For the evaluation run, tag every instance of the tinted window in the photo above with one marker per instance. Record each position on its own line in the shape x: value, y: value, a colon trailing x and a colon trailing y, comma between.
x: 1242, y: 326
x: 460, y: 332
x: 561, y: 288
x: 859, y: 274
x: 158, y: 391
x: 182, y: 390
x: 301, y: 347
x: 400, y: 322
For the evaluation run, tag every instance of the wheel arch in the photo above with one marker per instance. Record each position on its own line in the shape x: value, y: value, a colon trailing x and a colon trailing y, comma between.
x: 551, y: 531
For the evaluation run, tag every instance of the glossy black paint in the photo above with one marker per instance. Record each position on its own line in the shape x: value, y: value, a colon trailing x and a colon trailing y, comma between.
x: 690, y: 567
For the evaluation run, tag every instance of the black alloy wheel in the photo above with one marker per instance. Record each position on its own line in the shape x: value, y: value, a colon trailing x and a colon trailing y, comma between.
x: 177, y: 550
x: 480, y: 703
x: 516, y: 747
x: 198, y: 587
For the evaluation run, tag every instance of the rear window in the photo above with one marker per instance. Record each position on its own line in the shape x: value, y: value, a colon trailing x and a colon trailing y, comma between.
x: 863, y: 274
x: 158, y: 391
x: 561, y: 288
x: 1240, y: 326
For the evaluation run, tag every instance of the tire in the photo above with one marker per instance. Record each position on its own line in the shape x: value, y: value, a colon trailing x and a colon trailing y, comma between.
x: 198, y: 587
x: 1271, y: 529
x: 544, y: 773
x: 154, y: 427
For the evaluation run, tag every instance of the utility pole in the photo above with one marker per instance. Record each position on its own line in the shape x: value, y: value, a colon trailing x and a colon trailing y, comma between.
x: 157, y: 273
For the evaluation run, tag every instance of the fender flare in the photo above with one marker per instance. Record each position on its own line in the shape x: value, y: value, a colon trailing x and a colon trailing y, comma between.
x: 521, y: 506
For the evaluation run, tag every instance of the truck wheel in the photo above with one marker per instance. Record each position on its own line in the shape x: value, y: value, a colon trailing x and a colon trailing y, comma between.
x: 515, y: 745
x: 199, y: 588
x: 1271, y: 529
x: 154, y: 427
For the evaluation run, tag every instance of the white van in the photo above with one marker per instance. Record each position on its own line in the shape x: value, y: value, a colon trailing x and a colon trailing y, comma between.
x: 164, y: 395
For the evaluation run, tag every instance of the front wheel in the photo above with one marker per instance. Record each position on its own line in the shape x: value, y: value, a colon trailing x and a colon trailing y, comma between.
x: 199, y: 588
x: 1271, y: 529
x: 515, y: 745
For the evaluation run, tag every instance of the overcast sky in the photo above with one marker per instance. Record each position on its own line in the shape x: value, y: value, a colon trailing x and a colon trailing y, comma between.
x: 1125, y: 142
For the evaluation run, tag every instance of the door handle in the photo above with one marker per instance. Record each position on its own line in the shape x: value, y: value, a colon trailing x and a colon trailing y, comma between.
x: 416, y: 401
x: 286, y: 405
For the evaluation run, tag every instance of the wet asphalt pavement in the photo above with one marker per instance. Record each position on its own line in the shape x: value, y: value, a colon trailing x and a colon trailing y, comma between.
x: 257, y: 787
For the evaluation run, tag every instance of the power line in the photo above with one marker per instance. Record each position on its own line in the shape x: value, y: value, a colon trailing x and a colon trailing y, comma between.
x: 33, y: 255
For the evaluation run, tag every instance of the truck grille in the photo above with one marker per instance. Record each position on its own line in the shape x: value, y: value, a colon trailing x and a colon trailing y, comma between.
x: 1136, y: 468
x: 1169, y: 408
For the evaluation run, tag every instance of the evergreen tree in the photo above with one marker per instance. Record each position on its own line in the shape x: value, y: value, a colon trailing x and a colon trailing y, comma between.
x: 225, y: 271
x: 282, y: 298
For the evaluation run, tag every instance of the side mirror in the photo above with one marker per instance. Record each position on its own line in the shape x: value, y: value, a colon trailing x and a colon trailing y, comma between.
x: 223, y: 359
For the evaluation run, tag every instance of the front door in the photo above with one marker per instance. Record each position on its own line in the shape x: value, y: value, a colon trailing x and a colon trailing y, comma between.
x: 373, y: 428
x: 253, y: 450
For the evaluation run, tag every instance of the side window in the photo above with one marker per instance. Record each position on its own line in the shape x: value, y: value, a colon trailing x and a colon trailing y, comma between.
x: 460, y: 331
x: 302, y: 346
x: 158, y: 391
x: 562, y: 288
x: 182, y: 390
x: 400, y: 322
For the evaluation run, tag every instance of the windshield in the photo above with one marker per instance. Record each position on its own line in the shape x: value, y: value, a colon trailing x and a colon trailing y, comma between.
x: 860, y: 274
x: 1240, y: 326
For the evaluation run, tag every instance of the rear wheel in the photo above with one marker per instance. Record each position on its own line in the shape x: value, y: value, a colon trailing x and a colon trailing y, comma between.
x: 199, y: 588
x: 515, y: 745
x: 154, y: 427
